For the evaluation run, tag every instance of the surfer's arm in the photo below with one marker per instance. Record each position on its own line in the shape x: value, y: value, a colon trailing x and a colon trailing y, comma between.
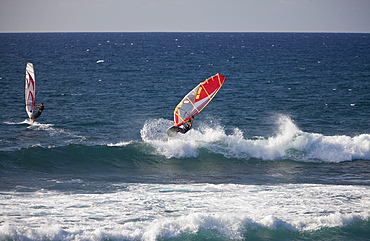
x: 190, y: 122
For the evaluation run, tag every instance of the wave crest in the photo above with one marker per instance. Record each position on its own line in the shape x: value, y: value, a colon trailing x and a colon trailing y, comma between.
x: 289, y: 142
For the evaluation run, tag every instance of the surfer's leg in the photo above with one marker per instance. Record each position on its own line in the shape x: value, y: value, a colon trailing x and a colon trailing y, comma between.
x: 181, y: 130
x: 36, y: 115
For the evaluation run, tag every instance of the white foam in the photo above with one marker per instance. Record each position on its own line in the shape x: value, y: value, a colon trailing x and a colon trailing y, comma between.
x: 121, y: 143
x: 154, y: 132
x: 40, y: 126
x: 26, y: 121
x: 288, y: 142
x: 151, y: 211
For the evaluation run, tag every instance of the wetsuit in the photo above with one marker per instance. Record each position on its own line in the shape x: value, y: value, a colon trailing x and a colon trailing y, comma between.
x: 186, y: 127
x: 38, y: 113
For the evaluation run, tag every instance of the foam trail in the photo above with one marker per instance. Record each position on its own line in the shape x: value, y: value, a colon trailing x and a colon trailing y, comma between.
x: 122, y: 143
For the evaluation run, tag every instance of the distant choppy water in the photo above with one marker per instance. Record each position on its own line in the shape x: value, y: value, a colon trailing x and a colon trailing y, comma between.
x: 281, y: 153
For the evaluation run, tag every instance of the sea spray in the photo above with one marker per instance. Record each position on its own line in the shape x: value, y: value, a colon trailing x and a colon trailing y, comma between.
x: 289, y: 142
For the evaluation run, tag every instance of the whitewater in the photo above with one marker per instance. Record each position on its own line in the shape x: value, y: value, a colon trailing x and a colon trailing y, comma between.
x: 289, y: 142
x: 152, y: 211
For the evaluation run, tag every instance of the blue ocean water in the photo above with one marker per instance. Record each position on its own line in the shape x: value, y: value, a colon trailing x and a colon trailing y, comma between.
x: 281, y: 153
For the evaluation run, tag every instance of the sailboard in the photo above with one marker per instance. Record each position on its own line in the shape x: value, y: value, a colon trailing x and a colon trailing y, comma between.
x: 30, y: 89
x: 197, y: 99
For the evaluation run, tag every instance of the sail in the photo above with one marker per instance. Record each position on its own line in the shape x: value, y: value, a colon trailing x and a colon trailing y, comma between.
x: 30, y: 89
x: 195, y: 101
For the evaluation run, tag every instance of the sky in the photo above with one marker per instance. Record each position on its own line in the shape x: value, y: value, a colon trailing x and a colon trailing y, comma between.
x: 351, y: 16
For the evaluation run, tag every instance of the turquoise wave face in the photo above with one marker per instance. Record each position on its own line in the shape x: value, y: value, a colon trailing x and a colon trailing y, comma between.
x: 141, y: 162
x: 356, y: 231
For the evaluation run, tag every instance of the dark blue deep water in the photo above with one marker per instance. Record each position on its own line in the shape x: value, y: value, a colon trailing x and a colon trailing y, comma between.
x: 281, y: 153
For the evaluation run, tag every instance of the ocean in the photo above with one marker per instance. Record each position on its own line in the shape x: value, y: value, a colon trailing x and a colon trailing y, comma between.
x: 281, y: 153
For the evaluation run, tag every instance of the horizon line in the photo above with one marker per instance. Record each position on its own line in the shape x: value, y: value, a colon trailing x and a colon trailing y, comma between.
x: 20, y: 32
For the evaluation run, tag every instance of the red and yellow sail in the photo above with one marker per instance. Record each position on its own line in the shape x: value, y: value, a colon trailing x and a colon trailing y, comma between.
x: 198, y: 98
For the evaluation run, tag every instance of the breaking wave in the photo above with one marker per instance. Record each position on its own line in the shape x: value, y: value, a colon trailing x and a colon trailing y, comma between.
x: 289, y: 142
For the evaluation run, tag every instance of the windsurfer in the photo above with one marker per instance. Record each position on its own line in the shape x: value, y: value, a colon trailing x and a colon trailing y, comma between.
x: 38, y: 113
x: 186, y: 126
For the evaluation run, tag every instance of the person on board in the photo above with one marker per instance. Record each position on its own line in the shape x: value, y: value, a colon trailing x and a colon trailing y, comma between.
x: 38, y: 113
x: 186, y: 126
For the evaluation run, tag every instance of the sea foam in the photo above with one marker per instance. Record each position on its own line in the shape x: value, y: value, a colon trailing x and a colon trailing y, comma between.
x: 288, y: 142
x: 148, y: 211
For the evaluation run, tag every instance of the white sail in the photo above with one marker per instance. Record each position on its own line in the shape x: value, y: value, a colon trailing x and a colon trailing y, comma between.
x: 30, y: 89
